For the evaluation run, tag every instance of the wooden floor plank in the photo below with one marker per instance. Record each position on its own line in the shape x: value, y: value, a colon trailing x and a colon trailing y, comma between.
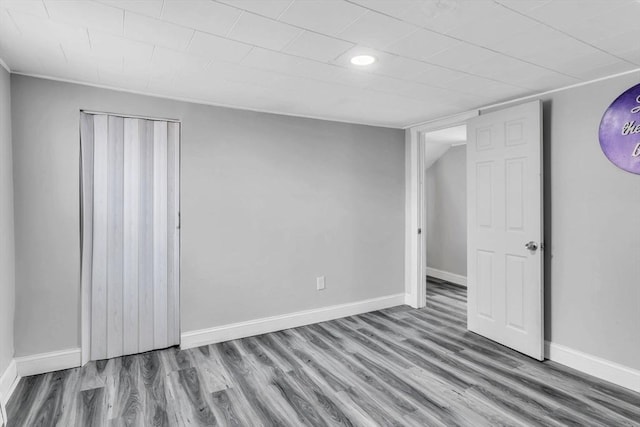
x: 393, y: 367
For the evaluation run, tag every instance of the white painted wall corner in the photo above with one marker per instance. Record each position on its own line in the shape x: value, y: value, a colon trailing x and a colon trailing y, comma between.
x: 292, y: 320
x: 592, y: 365
x: 458, y: 279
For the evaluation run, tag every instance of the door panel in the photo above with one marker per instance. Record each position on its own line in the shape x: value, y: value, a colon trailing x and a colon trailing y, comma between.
x: 131, y: 213
x: 505, y: 289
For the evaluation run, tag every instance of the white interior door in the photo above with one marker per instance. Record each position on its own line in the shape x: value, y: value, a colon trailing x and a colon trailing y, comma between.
x: 504, y: 203
x: 130, y: 236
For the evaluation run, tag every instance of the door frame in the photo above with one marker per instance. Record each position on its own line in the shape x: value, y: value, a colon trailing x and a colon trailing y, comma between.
x: 415, y: 215
x: 85, y: 288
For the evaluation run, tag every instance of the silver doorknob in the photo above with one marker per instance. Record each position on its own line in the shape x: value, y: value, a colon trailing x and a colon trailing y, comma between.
x: 532, y: 246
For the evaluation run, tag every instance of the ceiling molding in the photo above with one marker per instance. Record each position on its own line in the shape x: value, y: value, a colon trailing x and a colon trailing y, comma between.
x: 452, y: 118
x: 5, y: 66
x: 211, y: 104
x: 444, y: 122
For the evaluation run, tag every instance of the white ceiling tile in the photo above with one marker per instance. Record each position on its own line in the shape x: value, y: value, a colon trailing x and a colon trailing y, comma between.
x: 619, y: 45
x: 501, y: 67
x: 32, y: 7
x: 291, y: 65
x: 389, y: 7
x: 273, y: 61
x: 104, y: 45
x: 551, y: 52
x: 593, y: 65
x: 46, y: 32
x: 544, y: 81
x: 400, y: 87
x: 150, y: 30
x: 483, y: 87
x: 158, y: 83
x: 9, y: 32
x: 318, y: 47
x: 460, y: 57
x: 422, y: 44
x: 21, y: 63
x: 271, y: 8
x: 481, y: 30
x: 527, y: 43
x: 439, y: 76
x: 564, y: 14
x: 240, y: 74
x: 151, y: 8
x: 203, y: 15
x: 402, y: 68
x: 610, y: 22
x: 123, y: 80
x: 607, y: 70
x: 263, y: 32
x: 72, y: 70
x: 523, y: 6
x: 435, y: 15
x: 324, y: 16
x: 376, y: 30
x: 440, y: 16
x: 217, y: 48
x: 169, y: 59
x: 89, y: 14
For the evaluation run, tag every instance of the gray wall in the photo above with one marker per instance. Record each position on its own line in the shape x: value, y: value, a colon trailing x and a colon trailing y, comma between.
x: 446, y: 207
x: 592, y: 229
x: 268, y: 203
x: 7, y: 282
x: 592, y: 226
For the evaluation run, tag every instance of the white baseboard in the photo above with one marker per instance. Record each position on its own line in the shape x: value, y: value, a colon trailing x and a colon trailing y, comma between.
x: 292, y: 320
x: 48, y: 362
x: 449, y: 277
x: 592, y: 365
x: 8, y: 382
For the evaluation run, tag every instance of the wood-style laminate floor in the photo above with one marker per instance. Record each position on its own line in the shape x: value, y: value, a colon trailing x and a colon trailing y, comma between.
x: 397, y: 367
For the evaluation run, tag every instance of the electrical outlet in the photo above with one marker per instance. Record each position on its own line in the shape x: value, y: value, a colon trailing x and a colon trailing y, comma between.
x: 320, y: 283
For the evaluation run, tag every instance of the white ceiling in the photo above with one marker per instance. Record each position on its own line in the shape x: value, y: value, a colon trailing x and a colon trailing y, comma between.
x: 435, y: 57
x: 449, y: 136
x: 439, y: 142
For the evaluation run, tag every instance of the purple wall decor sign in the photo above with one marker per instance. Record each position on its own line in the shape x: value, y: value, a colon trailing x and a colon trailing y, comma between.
x: 620, y: 131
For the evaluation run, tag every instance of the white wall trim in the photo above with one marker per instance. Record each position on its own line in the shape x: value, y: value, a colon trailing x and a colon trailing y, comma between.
x: 593, y: 365
x: 48, y: 362
x: 5, y: 66
x: 408, y: 299
x: 292, y: 320
x: 210, y: 103
x: 8, y: 382
x: 458, y: 279
x: 415, y: 217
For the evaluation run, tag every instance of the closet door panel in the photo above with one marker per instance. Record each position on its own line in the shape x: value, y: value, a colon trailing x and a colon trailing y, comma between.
x: 99, y: 265
x: 131, y: 196
x: 146, y: 242
x: 130, y: 202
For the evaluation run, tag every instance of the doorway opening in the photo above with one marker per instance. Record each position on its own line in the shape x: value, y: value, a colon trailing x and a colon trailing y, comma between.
x: 130, y: 238
x: 445, y: 212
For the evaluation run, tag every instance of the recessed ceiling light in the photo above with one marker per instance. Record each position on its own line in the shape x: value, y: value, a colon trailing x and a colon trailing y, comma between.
x: 363, y: 60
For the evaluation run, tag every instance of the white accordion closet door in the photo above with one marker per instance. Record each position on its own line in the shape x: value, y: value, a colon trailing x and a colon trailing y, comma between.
x: 130, y: 233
